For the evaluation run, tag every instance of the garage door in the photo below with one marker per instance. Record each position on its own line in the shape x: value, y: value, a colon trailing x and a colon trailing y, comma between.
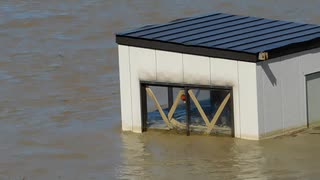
x: 313, y: 98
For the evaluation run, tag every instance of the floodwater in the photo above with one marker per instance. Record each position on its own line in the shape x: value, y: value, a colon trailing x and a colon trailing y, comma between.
x: 59, y: 98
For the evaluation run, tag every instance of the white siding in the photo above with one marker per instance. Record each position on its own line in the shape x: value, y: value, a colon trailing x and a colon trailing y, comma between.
x: 143, y: 66
x: 260, y: 99
x: 292, y: 83
x: 169, y: 67
x: 198, y: 64
x: 161, y: 66
x: 309, y: 63
x: 282, y: 91
x: 269, y: 96
x: 125, y: 88
x: 270, y: 85
x: 225, y: 73
x: 248, y: 100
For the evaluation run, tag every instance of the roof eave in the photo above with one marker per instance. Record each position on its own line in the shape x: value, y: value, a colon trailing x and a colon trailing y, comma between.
x: 294, y: 48
x: 188, y: 49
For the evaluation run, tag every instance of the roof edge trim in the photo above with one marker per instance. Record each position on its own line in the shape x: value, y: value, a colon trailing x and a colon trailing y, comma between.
x: 180, y: 48
x: 294, y: 48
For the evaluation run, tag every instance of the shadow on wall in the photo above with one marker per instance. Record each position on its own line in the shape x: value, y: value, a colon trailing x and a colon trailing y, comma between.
x: 268, y: 71
x: 272, y: 78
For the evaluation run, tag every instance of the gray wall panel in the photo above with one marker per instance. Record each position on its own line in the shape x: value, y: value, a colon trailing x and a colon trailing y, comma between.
x: 313, y: 95
x: 260, y: 94
x: 291, y: 83
x: 272, y: 95
x: 281, y: 91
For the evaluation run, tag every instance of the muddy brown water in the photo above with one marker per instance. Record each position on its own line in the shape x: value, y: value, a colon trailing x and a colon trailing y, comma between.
x: 59, y: 98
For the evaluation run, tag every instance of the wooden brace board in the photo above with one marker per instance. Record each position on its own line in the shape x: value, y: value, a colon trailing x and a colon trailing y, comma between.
x: 170, y: 121
x: 211, y: 124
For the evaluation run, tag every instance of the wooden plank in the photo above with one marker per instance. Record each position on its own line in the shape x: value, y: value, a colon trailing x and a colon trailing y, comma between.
x: 178, y: 124
x: 218, y: 113
x: 196, y: 102
x: 175, y: 105
x: 188, y: 111
x: 157, y: 104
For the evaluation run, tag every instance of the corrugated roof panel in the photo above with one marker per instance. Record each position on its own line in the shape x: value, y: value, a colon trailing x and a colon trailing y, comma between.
x: 217, y: 29
x: 177, y: 21
x: 229, y: 37
x: 276, y: 39
x: 225, y: 32
x: 262, y: 35
x: 253, y: 32
x: 179, y: 25
x: 211, y: 23
x: 226, y: 36
x: 283, y: 43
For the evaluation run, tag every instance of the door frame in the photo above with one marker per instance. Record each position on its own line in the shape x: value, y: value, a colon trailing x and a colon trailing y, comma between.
x: 306, y: 96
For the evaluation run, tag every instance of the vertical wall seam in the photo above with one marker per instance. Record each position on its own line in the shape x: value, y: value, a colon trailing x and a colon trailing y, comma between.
x: 156, y: 62
x: 257, y: 100
x: 263, y: 103
x: 299, y: 89
x: 130, y: 88
x: 239, y: 100
x: 303, y: 94
x: 283, y: 100
x: 182, y: 56
x: 210, y: 69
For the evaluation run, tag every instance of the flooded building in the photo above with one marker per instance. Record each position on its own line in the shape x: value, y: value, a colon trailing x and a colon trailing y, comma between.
x: 246, y: 77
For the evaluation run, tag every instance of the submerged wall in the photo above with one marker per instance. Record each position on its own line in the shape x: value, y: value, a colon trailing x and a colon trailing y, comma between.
x: 281, y: 84
x: 140, y: 64
x: 269, y: 96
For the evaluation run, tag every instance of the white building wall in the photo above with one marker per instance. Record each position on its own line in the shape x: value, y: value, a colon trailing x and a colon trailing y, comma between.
x: 282, y: 91
x: 162, y: 66
x: 309, y: 63
x: 125, y: 87
x: 169, y: 67
x: 248, y: 100
x: 199, y: 64
x: 225, y: 73
x: 270, y: 96
x: 142, y: 67
x: 272, y: 91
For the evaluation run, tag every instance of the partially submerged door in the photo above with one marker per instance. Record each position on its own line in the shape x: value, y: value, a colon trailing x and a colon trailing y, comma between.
x: 313, y: 98
x: 197, y: 109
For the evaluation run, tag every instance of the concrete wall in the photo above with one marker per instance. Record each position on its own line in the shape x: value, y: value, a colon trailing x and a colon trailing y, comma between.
x: 140, y: 64
x: 281, y: 91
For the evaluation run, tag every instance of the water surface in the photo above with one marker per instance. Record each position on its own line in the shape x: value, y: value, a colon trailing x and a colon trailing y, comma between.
x: 59, y: 92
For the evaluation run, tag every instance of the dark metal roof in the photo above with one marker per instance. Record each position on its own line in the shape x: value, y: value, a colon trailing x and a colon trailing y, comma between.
x: 226, y: 36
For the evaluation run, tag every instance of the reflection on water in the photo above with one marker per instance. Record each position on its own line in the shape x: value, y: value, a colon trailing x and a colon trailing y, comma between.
x: 168, y: 156
x: 59, y: 92
x: 133, y: 157
x: 249, y: 160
